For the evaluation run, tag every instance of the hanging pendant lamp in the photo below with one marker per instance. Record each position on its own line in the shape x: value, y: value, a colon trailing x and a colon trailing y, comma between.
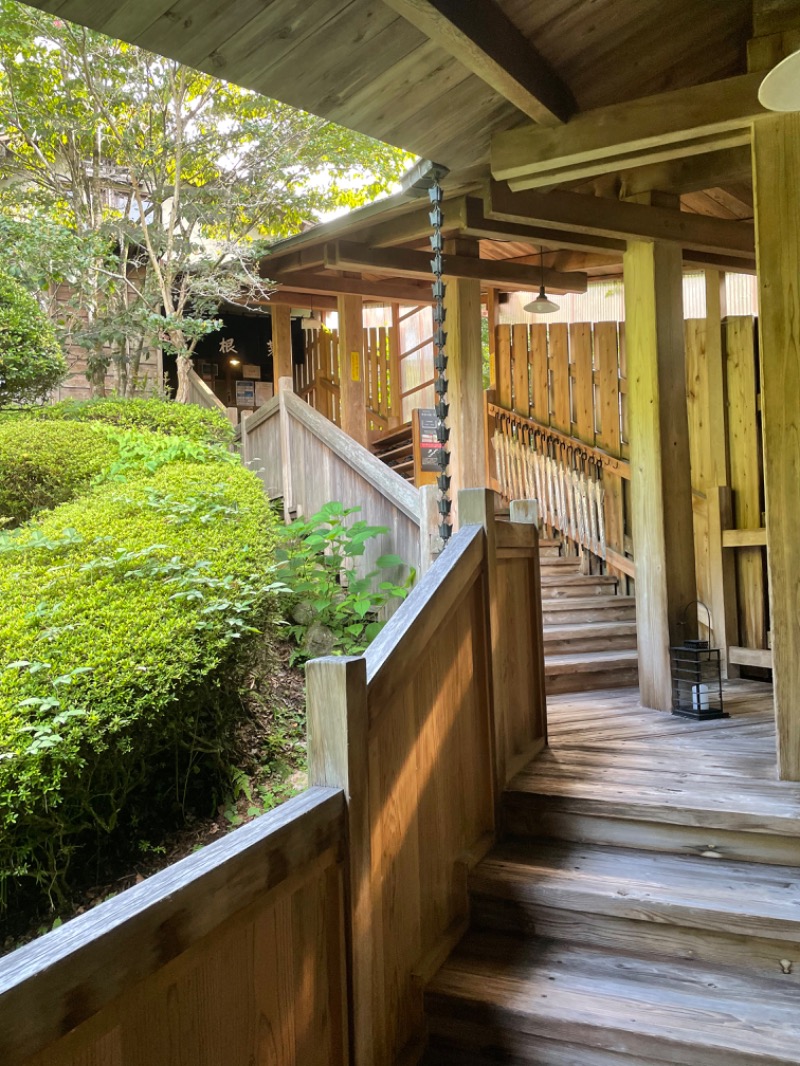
x: 780, y: 89
x: 541, y: 305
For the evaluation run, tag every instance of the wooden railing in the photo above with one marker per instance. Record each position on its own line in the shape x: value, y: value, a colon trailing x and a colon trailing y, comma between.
x: 202, y: 395
x: 305, y: 938
x: 233, y: 955
x: 307, y: 461
x: 422, y: 733
x: 568, y: 477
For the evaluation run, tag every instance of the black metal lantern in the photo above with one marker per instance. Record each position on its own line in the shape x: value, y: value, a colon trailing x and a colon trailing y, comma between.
x: 697, y: 679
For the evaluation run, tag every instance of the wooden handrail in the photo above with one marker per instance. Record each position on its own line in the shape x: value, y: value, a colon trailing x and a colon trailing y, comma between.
x: 575, y: 444
x: 394, y: 652
x: 210, y: 398
x: 57, y: 982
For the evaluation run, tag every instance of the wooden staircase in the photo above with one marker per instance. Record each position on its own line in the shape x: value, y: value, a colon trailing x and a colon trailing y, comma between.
x: 589, y: 630
x: 634, y: 915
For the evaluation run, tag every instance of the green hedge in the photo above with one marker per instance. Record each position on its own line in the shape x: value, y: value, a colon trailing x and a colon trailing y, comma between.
x: 123, y: 617
x: 42, y: 465
x: 162, y: 416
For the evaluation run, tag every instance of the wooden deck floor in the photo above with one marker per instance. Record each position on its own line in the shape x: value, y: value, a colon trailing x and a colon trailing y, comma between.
x: 606, y: 748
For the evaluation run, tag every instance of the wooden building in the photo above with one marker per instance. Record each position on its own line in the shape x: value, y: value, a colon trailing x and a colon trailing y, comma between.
x: 451, y: 876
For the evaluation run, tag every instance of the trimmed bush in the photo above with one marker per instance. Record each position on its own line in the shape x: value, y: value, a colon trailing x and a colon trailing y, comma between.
x: 124, y: 615
x: 161, y: 416
x: 42, y: 466
x: 31, y: 361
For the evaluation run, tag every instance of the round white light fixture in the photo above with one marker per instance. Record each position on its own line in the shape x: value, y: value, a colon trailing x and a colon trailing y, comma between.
x: 780, y: 89
x: 541, y: 305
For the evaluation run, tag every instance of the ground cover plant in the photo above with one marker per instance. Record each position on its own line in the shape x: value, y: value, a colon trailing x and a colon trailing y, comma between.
x: 126, y: 615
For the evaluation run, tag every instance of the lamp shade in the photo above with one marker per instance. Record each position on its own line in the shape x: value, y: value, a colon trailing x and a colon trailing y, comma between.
x: 780, y: 89
x: 541, y: 305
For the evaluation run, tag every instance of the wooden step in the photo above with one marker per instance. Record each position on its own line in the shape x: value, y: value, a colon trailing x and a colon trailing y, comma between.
x: 576, y: 610
x: 632, y: 900
x: 589, y: 637
x: 514, y: 1000
x: 558, y: 586
x: 560, y: 563
x: 679, y: 812
x: 579, y: 672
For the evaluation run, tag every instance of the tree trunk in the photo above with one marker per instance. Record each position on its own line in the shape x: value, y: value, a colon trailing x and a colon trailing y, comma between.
x: 184, y: 366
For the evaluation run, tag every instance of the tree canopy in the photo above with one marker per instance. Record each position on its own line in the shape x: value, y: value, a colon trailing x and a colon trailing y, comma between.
x: 151, y: 188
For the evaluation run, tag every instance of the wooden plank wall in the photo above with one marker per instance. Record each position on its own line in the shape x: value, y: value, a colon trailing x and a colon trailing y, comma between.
x: 235, y: 955
x: 414, y: 723
x: 573, y: 379
x: 728, y: 495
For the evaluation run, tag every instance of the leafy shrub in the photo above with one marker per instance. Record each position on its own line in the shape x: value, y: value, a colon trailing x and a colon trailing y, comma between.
x: 334, y: 611
x: 161, y: 416
x: 45, y: 465
x: 123, y: 617
x: 31, y: 361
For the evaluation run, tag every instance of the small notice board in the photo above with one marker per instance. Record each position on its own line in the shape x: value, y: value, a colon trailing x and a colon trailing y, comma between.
x: 427, y: 448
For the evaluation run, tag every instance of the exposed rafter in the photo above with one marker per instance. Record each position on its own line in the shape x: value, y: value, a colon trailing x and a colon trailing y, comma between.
x: 689, y: 174
x: 481, y: 37
x: 611, y: 218
x: 683, y: 122
x: 401, y: 262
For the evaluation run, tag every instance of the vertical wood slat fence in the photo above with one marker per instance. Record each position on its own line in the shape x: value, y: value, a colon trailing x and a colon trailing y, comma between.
x: 305, y: 937
x: 556, y: 427
x: 317, y: 380
x: 728, y: 487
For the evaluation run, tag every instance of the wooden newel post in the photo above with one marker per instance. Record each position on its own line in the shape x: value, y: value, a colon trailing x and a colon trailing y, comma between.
x: 338, y: 757
x: 285, y: 386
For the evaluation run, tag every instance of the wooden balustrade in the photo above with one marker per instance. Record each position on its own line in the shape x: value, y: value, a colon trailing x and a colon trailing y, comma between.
x: 447, y: 702
x: 234, y: 955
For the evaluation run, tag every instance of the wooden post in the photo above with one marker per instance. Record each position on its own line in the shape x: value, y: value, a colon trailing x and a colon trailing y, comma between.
x: 395, y: 371
x: 493, y: 316
x: 352, y: 404
x: 776, y: 178
x: 338, y: 756
x: 281, y: 344
x: 284, y: 387
x: 465, y: 374
x: 661, y: 486
x: 430, y: 543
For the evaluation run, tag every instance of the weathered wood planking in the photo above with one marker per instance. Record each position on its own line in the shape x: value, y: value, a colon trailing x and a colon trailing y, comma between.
x: 583, y: 398
x: 234, y: 955
x: 540, y: 408
x: 744, y: 436
x: 521, y: 355
x: 560, y: 416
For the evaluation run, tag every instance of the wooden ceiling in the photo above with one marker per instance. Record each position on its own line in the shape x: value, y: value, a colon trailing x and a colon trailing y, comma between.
x: 360, y: 63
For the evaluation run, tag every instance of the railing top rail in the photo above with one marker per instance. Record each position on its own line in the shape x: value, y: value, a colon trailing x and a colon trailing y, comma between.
x: 65, y: 977
x: 611, y: 462
x: 210, y: 396
x: 392, y: 656
x: 264, y: 413
x: 376, y: 473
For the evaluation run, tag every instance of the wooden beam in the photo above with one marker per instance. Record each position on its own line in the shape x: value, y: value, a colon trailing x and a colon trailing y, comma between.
x: 404, y: 292
x: 281, y: 344
x: 744, y: 538
x: 658, y: 154
x: 479, y: 224
x: 484, y: 40
x: 776, y: 176
x: 614, y: 135
x: 351, y: 353
x: 299, y: 299
x: 611, y: 218
x: 661, y: 488
x: 691, y: 174
x: 503, y: 274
